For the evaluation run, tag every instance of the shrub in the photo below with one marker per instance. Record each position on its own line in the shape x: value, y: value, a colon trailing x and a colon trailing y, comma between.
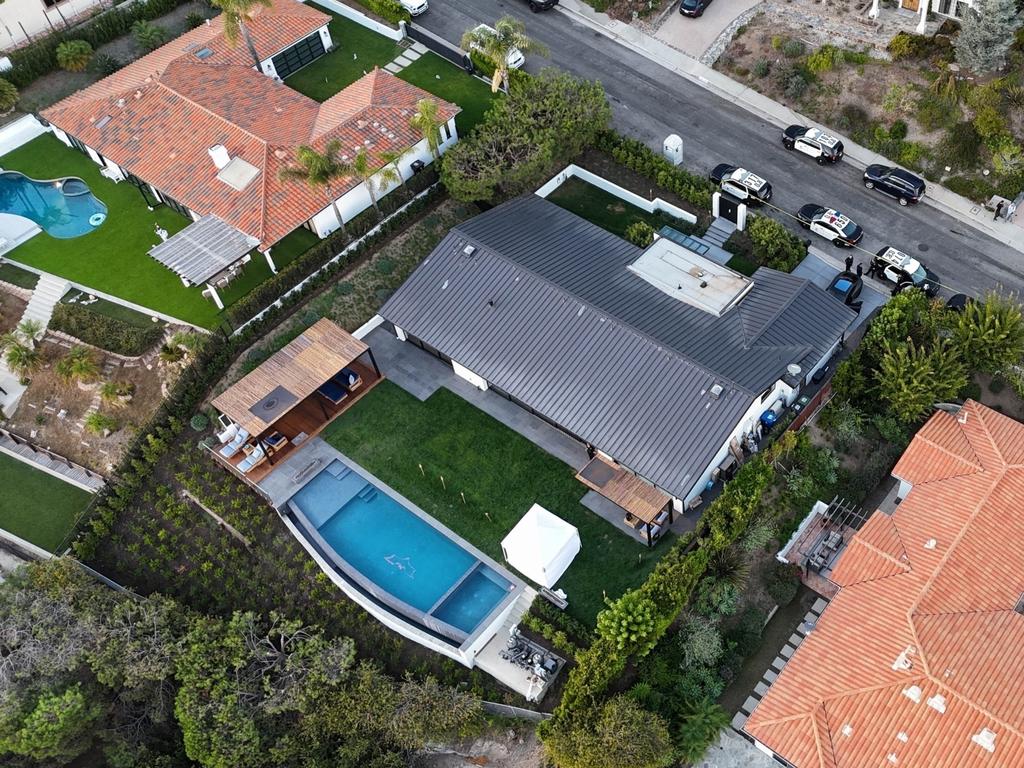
x: 8, y: 96
x: 977, y: 189
x: 793, y: 48
x: 899, y: 100
x: 851, y: 116
x: 105, y: 65
x: 934, y: 112
x: 902, y: 46
x: 774, y: 245
x: 74, y: 55
x: 825, y: 59
x: 640, y: 233
x: 961, y: 146
x: 1007, y: 156
x: 629, y: 623
x: 898, y: 130
x: 784, y: 583
x: 795, y: 85
x: 104, y: 332
x: 858, y: 58
x: 148, y: 35
x: 199, y: 422
x: 389, y: 10
x: 777, y: 42
x: 99, y: 423
x: 989, y: 122
x: 700, y: 641
x: 761, y: 68
x: 193, y: 20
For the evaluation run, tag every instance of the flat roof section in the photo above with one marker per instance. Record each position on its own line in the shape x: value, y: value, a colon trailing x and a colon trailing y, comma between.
x: 688, y: 277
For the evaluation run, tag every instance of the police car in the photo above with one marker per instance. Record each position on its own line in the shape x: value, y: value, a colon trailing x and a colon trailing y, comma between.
x: 742, y: 184
x: 830, y: 224
x: 823, y: 147
x: 904, y: 271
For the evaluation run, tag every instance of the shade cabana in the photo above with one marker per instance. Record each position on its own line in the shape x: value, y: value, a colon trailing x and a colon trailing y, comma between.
x: 292, y: 396
x: 207, y: 251
x: 646, y: 508
x: 541, y: 546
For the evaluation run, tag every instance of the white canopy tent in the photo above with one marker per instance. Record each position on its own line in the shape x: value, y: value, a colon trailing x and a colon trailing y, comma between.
x: 541, y: 546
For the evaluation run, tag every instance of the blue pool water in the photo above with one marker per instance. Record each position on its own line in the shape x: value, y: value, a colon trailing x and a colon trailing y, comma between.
x: 398, y: 551
x: 64, y: 208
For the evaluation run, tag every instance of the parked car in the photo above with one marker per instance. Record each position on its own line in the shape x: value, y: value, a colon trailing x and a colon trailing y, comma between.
x: 414, y: 7
x: 895, y: 182
x: 741, y: 184
x: 693, y: 8
x: 823, y: 147
x: 830, y: 224
x: 541, y: 5
x: 903, y: 271
x: 515, y: 57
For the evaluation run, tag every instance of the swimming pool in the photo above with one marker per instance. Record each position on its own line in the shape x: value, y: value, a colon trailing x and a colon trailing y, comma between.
x: 397, y: 555
x: 63, y: 208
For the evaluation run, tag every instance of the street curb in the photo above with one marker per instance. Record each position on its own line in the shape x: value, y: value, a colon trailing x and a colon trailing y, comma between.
x: 950, y: 203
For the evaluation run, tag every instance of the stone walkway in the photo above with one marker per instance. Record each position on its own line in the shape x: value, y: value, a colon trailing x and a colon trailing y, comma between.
x: 734, y: 751
x: 405, y: 58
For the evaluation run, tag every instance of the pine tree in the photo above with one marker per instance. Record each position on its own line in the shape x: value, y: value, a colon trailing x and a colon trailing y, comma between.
x: 986, y: 35
x: 911, y: 378
x: 989, y: 334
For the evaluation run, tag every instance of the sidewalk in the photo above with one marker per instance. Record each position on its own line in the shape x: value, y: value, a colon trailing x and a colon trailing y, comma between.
x: 661, y: 53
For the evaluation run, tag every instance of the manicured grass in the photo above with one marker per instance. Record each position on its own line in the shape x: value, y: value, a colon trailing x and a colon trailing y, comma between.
x: 500, y: 474
x: 442, y: 78
x: 18, y: 276
x: 36, y: 506
x: 114, y: 258
x: 605, y: 209
x: 116, y: 311
x: 257, y: 270
x: 743, y: 265
x: 337, y: 69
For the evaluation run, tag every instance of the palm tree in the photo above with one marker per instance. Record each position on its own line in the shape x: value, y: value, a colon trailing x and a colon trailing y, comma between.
x: 391, y: 173
x: 30, y: 330
x: 700, y: 726
x: 78, y: 365
x: 428, y: 122
x: 236, y: 13
x: 362, y: 168
x: 23, y: 360
x: 496, y: 44
x: 319, y: 170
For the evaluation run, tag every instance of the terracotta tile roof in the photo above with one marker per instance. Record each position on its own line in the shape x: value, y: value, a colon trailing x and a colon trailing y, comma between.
x: 159, y: 116
x: 922, y: 649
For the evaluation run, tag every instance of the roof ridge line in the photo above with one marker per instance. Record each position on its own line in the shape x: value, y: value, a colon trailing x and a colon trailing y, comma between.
x: 976, y: 462
x: 565, y: 292
x: 961, y: 613
x: 161, y: 84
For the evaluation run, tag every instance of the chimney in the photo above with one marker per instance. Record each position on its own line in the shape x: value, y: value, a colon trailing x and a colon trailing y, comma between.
x: 986, y: 739
x: 219, y: 155
x: 938, y: 703
x: 913, y: 693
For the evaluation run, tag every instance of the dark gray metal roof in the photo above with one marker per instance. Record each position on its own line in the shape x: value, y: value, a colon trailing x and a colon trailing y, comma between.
x: 203, y: 249
x: 544, y: 309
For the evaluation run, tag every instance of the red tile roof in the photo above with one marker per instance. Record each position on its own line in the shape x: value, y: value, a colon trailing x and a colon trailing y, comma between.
x: 934, y: 584
x: 169, y: 107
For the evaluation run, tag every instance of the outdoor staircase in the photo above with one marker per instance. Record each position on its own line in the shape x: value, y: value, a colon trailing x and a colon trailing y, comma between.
x: 519, y: 609
x: 47, y: 293
x: 719, y: 231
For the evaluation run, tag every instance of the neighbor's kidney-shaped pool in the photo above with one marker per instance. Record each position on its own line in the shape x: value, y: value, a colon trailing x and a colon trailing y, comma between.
x: 63, y: 208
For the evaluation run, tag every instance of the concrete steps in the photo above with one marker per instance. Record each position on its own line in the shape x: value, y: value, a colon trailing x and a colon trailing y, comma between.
x: 47, y: 293
x: 719, y: 231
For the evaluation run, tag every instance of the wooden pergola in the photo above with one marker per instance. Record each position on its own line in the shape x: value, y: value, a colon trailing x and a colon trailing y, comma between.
x: 283, y: 402
x: 645, y: 506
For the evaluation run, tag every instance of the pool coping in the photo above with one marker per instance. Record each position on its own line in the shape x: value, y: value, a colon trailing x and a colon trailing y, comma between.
x: 326, y: 554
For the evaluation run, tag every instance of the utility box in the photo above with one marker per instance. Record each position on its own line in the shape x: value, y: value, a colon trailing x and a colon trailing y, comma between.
x: 672, y: 149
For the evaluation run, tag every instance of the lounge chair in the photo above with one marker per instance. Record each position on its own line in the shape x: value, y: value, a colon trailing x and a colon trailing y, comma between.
x: 256, y: 457
x: 228, y: 434
x: 229, y: 450
x: 333, y: 391
x: 349, y: 379
x: 655, y: 532
x: 274, y: 441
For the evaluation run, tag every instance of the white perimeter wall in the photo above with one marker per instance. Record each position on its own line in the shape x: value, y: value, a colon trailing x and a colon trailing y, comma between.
x: 361, y: 18
x: 19, y: 132
x: 33, y: 16
x: 651, y: 206
x: 357, y: 200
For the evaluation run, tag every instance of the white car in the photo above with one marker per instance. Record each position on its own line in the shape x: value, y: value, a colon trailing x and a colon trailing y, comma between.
x: 515, y: 56
x: 414, y: 7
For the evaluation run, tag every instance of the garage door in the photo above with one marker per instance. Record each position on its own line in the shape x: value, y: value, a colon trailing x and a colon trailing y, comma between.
x: 298, y: 56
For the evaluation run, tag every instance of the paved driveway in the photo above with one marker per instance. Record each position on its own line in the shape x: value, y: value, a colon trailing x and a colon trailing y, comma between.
x: 694, y: 36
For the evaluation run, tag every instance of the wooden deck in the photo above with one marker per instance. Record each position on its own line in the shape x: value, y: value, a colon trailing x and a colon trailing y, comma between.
x: 637, y: 497
x: 307, y: 419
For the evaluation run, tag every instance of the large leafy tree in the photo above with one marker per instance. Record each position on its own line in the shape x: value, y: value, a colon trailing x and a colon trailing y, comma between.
x: 911, y: 378
x: 55, y: 727
x: 989, y: 333
x: 320, y: 170
x: 498, y: 43
x: 622, y: 733
x: 986, y: 34
x: 544, y: 122
x: 236, y: 14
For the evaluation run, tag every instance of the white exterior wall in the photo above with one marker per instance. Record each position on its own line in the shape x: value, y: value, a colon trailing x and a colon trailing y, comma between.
x: 357, y: 200
x: 20, y: 16
x: 464, y: 373
x: 818, y: 366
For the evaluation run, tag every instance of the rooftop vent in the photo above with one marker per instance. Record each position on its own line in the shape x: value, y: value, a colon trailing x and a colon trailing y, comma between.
x: 938, y: 703
x: 120, y: 103
x: 793, y: 369
x: 138, y: 94
x: 892, y: 758
x: 902, y: 736
x: 469, y: 250
x: 220, y: 156
x: 716, y: 391
x: 986, y: 739
x: 913, y: 693
x: 903, y: 660
x: 847, y: 730
x: 930, y: 544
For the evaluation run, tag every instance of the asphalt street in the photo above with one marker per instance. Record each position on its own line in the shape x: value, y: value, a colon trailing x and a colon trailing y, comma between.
x: 650, y: 102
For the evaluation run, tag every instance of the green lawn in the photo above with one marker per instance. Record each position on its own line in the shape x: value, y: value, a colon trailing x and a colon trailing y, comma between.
x: 499, y: 472
x: 337, y: 69
x: 606, y: 210
x: 116, y: 311
x: 257, y: 270
x: 18, y: 276
x: 36, y: 506
x: 442, y: 78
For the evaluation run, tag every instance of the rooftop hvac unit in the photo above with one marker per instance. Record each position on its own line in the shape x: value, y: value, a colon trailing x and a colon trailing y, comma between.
x: 716, y: 391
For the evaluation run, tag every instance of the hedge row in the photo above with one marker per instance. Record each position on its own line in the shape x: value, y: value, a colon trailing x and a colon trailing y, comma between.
x: 103, y: 331
x: 389, y: 10
x: 269, y: 291
x: 637, y: 156
x: 40, y: 57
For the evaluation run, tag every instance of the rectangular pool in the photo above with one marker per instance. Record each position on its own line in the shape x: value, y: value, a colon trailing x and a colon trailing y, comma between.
x: 396, y: 552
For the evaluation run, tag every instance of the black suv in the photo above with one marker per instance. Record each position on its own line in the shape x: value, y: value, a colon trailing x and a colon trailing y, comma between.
x: 903, y: 271
x: 693, y: 7
x: 895, y: 182
x: 741, y: 184
x: 541, y: 5
x: 823, y: 147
